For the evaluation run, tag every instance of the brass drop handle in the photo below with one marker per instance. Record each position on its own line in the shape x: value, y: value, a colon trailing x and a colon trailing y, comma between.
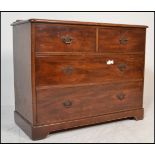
x: 120, y: 96
x: 67, y: 39
x: 123, y: 41
x: 122, y: 67
x: 67, y: 103
x: 68, y: 70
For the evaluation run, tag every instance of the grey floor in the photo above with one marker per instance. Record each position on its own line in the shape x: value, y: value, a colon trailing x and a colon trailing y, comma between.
x: 125, y: 131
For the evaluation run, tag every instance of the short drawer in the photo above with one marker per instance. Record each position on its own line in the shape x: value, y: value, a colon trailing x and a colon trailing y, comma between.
x: 64, y: 38
x: 84, y: 69
x: 64, y: 104
x: 121, y: 40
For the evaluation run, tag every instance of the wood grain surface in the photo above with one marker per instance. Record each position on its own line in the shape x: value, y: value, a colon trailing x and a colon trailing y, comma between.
x: 87, y: 101
x: 52, y: 70
x: 49, y: 38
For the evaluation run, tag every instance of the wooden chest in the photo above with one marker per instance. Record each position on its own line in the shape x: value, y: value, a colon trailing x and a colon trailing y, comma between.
x: 72, y: 74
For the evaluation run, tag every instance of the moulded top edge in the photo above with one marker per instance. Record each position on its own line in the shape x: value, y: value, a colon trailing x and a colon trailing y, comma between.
x: 17, y: 22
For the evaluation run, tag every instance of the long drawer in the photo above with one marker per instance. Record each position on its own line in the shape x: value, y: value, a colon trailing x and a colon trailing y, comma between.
x: 85, y: 69
x: 70, y: 103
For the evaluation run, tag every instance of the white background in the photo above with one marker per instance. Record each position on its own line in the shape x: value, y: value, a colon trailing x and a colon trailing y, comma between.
x: 73, y: 5
x: 142, y: 131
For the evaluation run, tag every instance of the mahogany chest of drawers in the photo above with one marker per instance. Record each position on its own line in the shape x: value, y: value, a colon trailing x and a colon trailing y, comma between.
x: 71, y: 74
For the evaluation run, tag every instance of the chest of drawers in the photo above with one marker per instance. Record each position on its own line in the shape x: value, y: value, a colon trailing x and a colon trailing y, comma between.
x: 72, y: 74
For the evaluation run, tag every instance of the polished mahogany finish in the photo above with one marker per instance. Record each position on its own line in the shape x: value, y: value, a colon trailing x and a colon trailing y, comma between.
x: 70, y: 74
x: 121, y: 40
x: 22, y: 70
x: 62, y: 104
x: 60, y: 38
x: 81, y: 69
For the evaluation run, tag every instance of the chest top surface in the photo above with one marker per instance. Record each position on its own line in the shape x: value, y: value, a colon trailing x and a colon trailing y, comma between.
x: 17, y: 22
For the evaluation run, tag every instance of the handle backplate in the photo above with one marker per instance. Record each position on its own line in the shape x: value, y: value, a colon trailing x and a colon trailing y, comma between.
x: 120, y: 96
x: 123, y: 41
x: 122, y: 67
x: 67, y: 39
x: 67, y: 103
x: 68, y: 70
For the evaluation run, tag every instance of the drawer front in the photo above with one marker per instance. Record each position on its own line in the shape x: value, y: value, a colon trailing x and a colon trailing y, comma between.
x: 61, y: 38
x: 78, y: 69
x: 121, y: 40
x: 62, y: 104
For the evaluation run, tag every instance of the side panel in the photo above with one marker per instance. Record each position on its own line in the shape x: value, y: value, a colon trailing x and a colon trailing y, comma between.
x: 22, y: 70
